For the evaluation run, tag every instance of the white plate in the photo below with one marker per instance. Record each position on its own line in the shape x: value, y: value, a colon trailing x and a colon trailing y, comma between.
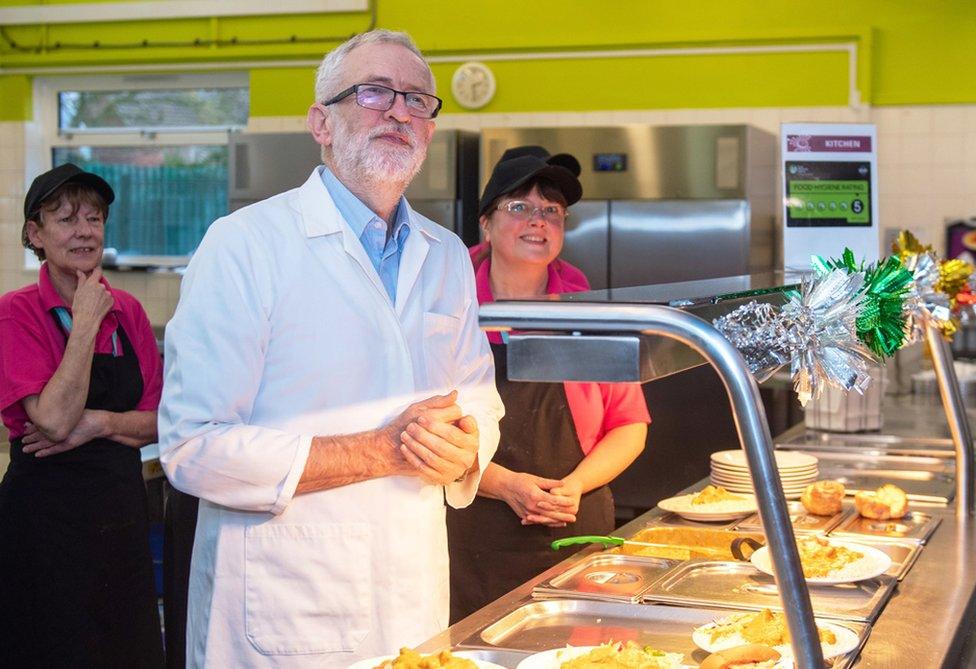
x: 552, y: 659
x: 749, y: 490
x: 846, y: 640
x: 375, y: 661
x: 785, y: 460
x: 727, y: 510
x: 719, y: 465
x: 803, y: 480
x: 874, y: 563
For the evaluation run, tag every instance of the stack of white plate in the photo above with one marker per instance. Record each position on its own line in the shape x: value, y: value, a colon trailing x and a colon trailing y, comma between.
x: 796, y: 470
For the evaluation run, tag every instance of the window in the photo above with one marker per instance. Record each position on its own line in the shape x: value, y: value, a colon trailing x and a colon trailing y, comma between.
x: 160, y: 141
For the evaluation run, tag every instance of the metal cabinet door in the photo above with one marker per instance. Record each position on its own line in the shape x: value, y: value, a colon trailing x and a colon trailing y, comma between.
x: 586, y: 240
x: 677, y: 240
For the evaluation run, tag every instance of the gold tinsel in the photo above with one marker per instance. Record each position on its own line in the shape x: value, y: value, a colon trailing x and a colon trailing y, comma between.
x: 953, y: 275
x: 907, y: 245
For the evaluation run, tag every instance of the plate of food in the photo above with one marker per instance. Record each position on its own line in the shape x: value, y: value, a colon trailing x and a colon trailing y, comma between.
x: 606, y: 656
x: 713, y: 503
x: 769, y: 629
x: 829, y: 561
x: 410, y: 659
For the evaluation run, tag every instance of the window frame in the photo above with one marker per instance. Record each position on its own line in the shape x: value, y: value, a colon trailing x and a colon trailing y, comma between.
x: 46, y: 133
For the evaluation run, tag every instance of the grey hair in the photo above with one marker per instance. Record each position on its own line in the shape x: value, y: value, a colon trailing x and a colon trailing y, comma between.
x: 327, y: 77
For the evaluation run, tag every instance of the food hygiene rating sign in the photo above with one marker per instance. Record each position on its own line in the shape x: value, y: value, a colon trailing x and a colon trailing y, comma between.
x: 829, y: 181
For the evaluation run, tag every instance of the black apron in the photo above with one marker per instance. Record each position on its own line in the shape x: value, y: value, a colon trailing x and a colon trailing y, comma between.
x: 76, y: 578
x: 491, y: 552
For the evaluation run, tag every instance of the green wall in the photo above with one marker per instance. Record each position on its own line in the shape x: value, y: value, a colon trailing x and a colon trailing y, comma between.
x: 908, y: 51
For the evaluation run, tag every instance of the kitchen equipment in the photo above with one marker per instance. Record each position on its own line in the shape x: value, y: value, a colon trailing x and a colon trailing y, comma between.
x: 445, y: 190
x: 540, y: 626
x: 605, y: 576
x: 739, y: 585
x: 803, y: 522
x: 684, y: 550
x: 915, y: 526
x: 661, y: 203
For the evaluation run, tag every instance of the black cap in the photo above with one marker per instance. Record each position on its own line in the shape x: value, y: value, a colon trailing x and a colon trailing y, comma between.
x: 522, y: 164
x: 50, y: 181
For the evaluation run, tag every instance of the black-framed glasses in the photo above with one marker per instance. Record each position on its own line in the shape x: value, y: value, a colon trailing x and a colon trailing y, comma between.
x: 525, y: 211
x: 382, y: 98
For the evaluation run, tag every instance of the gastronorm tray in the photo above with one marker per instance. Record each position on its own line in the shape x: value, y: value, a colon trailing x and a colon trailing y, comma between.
x: 915, y: 526
x: 739, y: 585
x: 803, y: 522
x: 500, y: 656
x: 538, y: 626
x: 674, y: 520
x: 902, y: 553
x: 686, y: 543
x: 605, y: 576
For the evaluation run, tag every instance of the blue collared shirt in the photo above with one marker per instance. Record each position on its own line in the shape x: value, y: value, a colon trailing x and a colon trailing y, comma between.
x: 371, y: 229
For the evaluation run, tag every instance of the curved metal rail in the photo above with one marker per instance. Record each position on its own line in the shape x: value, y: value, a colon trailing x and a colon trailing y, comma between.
x: 952, y: 402
x: 747, y: 411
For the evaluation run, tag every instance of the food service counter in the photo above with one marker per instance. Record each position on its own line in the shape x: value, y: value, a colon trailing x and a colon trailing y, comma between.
x: 928, y: 620
x: 925, y: 623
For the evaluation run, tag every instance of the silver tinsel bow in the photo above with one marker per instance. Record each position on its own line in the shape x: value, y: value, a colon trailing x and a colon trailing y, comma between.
x: 924, y: 302
x: 814, y: 332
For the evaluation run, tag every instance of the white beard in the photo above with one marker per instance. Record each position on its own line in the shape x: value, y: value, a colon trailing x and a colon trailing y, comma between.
x: 386, y: 166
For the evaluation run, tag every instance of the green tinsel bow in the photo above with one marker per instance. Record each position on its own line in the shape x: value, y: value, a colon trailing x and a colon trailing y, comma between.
x: 881, y: 323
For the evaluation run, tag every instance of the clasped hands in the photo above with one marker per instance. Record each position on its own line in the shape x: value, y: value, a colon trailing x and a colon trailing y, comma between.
x: 542, y: 501
x: 435, y: 439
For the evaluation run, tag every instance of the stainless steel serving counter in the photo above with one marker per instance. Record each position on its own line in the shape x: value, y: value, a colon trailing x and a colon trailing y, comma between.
x: 927, y: 622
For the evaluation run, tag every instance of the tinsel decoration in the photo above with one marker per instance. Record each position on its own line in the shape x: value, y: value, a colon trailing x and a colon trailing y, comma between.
x: 953, y: 278
x: 925, y: 302
x: 815, y: 331
x: 881, y: 323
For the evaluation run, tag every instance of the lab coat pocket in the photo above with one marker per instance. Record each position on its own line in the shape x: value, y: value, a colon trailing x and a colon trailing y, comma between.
x: 441, y: 332
x: 308, y: 588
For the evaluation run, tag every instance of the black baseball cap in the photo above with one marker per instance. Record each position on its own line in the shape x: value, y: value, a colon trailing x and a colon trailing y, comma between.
x: 45, y: 184
x: 521, y: 164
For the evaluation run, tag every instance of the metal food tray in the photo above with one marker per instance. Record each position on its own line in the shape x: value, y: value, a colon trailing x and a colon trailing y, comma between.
x: 803, y: 522
x: 674, y: 520
x: 739, y: 585
x: 500, y: 656
x: 605, y: 576
x: 903, y: 554
x: 915, y: 526
x: 539, y: 626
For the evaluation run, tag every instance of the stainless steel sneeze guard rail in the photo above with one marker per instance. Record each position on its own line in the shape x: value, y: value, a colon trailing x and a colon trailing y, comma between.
x: 747, y: 411
x: 955, y: 410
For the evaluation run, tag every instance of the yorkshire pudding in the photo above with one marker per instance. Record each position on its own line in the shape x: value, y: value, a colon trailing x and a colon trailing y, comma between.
x: 823, y: 498
x: 888, y: 501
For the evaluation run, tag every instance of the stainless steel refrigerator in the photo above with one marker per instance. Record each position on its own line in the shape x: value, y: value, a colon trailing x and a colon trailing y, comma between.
x: 662, y: 203
x: 445, y: 190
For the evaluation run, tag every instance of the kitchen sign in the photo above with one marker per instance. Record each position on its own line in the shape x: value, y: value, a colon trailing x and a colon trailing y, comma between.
x: 829, y: 181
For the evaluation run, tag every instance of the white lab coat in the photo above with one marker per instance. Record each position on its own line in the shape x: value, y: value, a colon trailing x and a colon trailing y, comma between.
x: 284, y: 331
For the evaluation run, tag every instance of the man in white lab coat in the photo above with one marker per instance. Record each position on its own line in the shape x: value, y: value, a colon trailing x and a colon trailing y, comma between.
x: 327, y: 388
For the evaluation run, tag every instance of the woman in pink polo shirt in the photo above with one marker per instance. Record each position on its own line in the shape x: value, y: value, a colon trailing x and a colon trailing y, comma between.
x: 561, y: 443
x: 80, y: 380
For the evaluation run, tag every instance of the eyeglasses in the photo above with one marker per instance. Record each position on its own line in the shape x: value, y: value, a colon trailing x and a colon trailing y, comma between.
x: 525, y: 211
x: 382, y: 98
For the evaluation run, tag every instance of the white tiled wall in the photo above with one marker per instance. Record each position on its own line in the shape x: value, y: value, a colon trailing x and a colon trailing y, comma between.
x: 927, y: 170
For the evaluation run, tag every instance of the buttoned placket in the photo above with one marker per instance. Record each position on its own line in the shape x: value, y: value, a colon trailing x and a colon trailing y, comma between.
x: 387, y: 251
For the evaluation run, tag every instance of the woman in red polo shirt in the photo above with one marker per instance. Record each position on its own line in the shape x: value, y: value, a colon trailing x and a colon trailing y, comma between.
x: 561, y: 443
x: 80, y: 380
